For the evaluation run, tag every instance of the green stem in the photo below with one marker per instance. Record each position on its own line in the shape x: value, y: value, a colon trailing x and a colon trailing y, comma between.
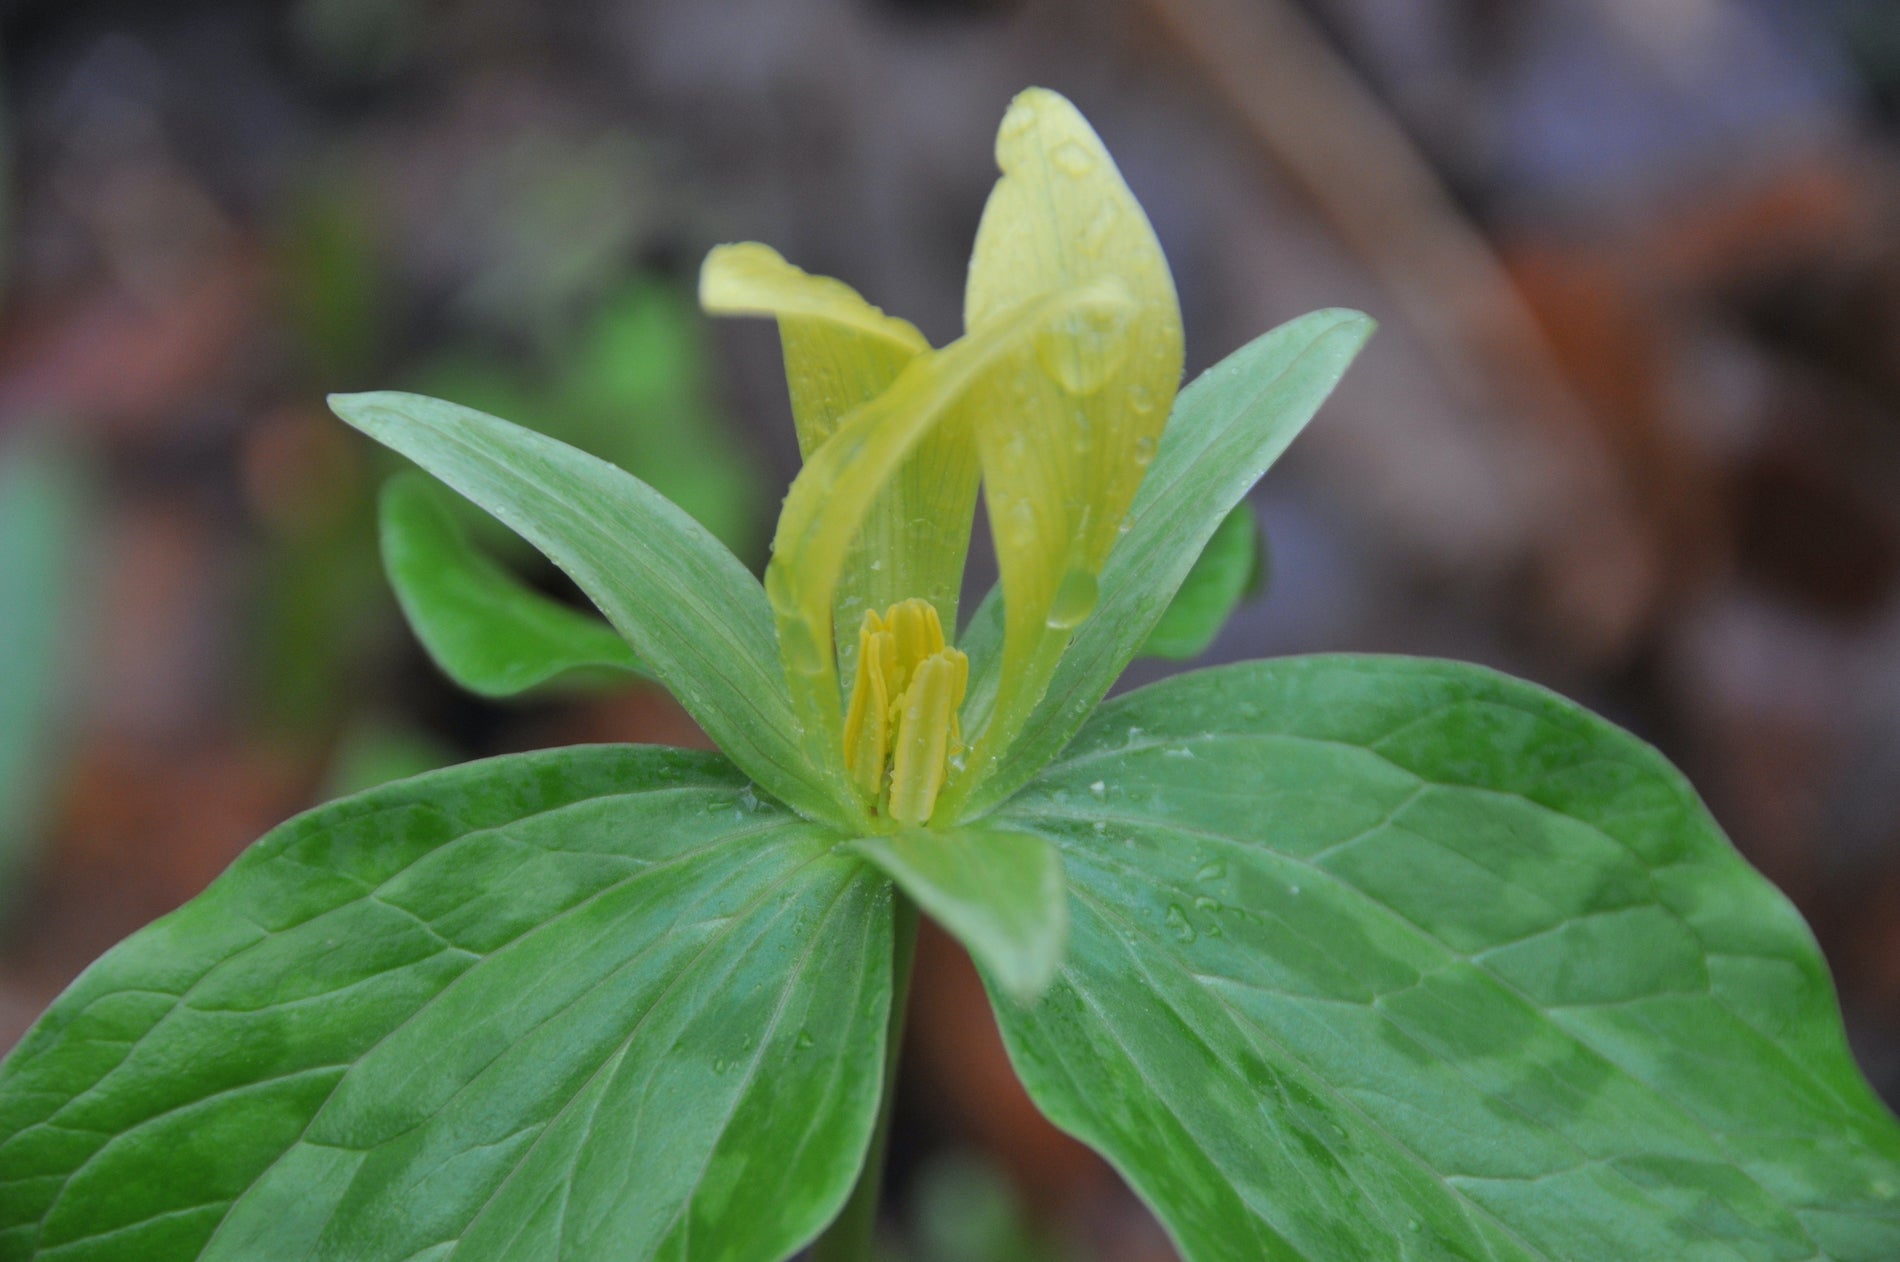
x: 850, y: 1236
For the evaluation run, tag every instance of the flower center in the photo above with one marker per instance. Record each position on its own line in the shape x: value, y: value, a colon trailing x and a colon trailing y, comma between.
x: 900, y: 731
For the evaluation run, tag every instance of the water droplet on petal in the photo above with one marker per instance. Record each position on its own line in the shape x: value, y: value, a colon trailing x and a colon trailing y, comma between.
x: 1074, y: 600
x: 1072, y: 159
x: 1145, y: 450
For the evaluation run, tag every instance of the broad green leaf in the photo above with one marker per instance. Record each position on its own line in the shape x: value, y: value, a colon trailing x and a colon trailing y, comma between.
x: 1227, y: 429
x: 583, y: 1004
x: 42, y: 522
x: 1385, y: 958
x: 1065, y: 445
x: 690, y: 610
x: 998, y: 891
x: 488, y: 631
x: 1221, y: 576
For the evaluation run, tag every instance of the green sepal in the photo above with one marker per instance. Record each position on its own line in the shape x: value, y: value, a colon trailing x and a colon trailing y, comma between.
x: 486, y: 629
x: 693, y: 614
x: 1387, y: 958
x: 996, y: 890
x: 1227, y: 569
x: 587, y: 1003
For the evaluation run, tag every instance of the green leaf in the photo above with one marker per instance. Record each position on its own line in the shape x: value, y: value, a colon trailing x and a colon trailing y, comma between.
x: 999, y: 892
x: 1227, y: 428
x: 583, y: 1004
x: 43, y: 515
x: 1379, y: 958
x: 691, y: 611
x: 488, y: 631
x: 1225, y: 570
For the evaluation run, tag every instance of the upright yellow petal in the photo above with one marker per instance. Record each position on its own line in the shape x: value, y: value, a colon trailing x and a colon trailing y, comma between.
x: 1064, y: 447
x: 840, y: 353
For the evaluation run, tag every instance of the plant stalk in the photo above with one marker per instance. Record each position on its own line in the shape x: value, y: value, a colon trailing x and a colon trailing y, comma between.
x: 851, y: 1236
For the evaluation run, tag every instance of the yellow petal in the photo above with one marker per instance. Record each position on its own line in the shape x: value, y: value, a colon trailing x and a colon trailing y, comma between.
x: 840, y: 353
x: 829, y: 501
x: 1064, y: 448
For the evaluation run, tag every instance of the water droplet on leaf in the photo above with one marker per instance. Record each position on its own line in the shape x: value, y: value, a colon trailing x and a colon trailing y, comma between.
x: 1178, y: 924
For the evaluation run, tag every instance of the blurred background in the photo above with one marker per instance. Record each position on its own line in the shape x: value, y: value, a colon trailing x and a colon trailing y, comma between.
x: 1631, y: 427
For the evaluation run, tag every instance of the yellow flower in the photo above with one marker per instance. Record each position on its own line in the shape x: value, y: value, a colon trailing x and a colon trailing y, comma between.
x: 1054, y: 398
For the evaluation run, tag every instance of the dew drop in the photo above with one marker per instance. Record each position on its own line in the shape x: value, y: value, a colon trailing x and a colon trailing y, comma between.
x: 1084, y: 350
x: 1177, y: 751
x: 748, y: 799
x: 719, y: 1065
x: 1206, y: 904
x: 1072, y: 159
x: 1145, y: 450
x: 1074, y: 600
x: 1018, y: 122
x: 1213, y: 871
x: 1141, y: 399
x: 1178, y: 925
x: 1101, y: 826
x: 1099, y: 788
x: 805, y: 1040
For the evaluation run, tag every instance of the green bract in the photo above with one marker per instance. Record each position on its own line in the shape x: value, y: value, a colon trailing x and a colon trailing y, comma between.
x: 1334, y: 958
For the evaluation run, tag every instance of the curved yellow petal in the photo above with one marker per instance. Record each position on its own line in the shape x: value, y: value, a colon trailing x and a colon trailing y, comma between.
x: 840, y: 353
x: 1064, y: 447
x: 832, y: 496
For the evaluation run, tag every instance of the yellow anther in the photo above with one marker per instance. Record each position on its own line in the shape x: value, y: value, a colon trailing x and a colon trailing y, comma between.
x: 901, y: 728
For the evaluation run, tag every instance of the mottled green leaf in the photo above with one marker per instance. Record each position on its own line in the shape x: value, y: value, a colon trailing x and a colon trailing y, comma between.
x: 998, y: 891
x: 1379, y: 958
x: 1226, y: 429
x: 693, y: 614
x: 1226, y: 568
x: 488, y: 631
x: 593, y: 1003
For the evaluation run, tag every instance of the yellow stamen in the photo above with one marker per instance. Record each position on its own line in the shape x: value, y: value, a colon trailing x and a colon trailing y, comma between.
x: 901, y: 728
